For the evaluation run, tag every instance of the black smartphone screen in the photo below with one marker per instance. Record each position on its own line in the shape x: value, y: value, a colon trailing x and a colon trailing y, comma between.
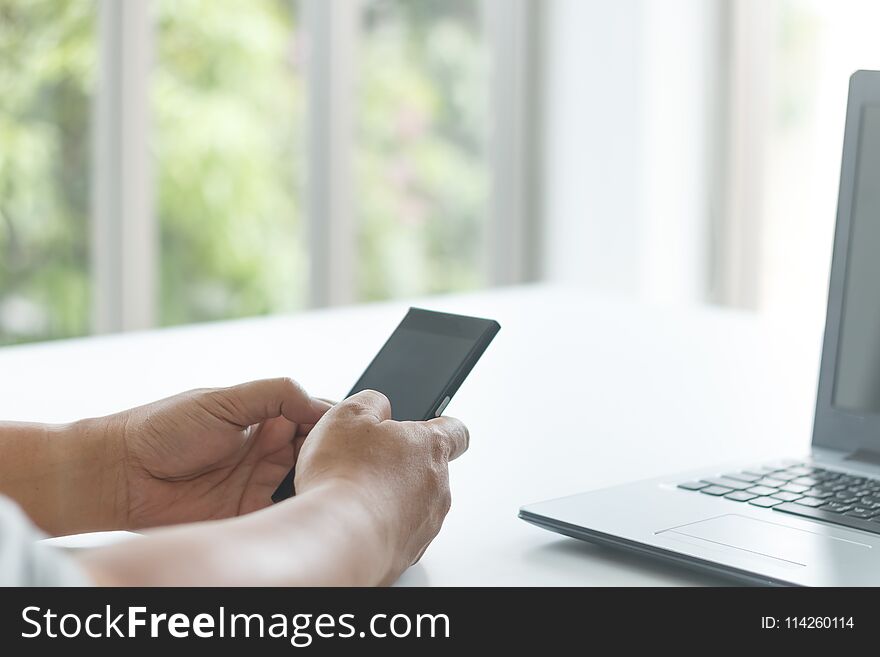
x: 421, y: 366
x: 425, y: 360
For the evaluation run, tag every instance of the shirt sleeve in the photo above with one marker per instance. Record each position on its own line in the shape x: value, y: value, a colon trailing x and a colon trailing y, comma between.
x: 24, y: 561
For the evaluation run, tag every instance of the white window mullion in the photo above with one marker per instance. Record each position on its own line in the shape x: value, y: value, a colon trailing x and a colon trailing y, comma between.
x: 513, y: 235
x: 124, y: 251
x: 737, y: 243
x: 332, y: 29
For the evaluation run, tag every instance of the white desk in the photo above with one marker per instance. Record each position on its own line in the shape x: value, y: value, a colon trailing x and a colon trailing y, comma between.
x: 578, y: 391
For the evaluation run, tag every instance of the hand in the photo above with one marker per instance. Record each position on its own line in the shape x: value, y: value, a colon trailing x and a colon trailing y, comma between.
x: 399, y: 470
x: 371, y: 495
x: 213, y: 453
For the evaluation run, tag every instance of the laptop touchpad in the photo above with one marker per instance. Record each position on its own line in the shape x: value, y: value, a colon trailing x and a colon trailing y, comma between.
x: 768, y: 539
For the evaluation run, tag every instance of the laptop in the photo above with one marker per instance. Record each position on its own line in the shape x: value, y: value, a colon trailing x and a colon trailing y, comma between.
x: 812, y: 520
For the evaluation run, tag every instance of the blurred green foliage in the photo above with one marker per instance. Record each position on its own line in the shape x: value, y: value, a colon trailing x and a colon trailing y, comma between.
x: 422, y: 178
x: 228, y: 106
x: 47, y: 72
x: 228, y: 101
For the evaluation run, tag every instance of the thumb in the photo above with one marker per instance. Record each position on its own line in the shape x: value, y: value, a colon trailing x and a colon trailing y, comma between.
x: 366, y: 403
x: 255, y: 401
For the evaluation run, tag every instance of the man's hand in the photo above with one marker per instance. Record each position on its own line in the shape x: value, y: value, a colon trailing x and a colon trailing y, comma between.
x: 208, y: 454
x: 371, y: 495
x: 398, y: 469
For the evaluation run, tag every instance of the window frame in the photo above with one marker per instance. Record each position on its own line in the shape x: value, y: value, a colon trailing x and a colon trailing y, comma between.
x: 124, y: 237
x: 125, y: 247
x: 514, y: 225
x: 742, y: 126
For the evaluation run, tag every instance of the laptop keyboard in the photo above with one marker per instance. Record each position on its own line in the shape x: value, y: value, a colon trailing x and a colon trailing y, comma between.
x: 800, y: 489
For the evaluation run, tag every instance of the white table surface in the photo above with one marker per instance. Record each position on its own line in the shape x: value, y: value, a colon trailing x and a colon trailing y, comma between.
x: 579, y: 390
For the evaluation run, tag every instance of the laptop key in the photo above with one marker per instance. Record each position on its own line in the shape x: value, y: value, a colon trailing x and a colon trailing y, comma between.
x: 837, y: 507
x: 693, y: 485
x: 786, y: 497
x: 794, y: 488
x: 810, y: 501
x: 833, y: 518
x: 727, y: 483
x: 820, y: 493
x: 770, y: 481
x: 827, y: 475
x: 740, y: 496
x: 861, y: 512
x: 761, y: 490
x: 742, y: 476
x: 716, y: 490
x: 805, y: 481
x: 765, y: 502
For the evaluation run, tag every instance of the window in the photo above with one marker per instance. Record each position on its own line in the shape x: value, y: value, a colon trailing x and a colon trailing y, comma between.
x: 812, y: 47
x: 422, y: 175
x: 228, y: 106
x: 252, y: 158
x: 47, y: 74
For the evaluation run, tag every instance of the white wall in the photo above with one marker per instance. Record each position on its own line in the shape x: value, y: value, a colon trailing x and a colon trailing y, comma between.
x: 591, y: 137
x: 628, y: 123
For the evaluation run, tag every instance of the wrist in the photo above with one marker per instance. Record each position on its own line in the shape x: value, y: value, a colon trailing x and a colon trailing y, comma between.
x: 66, y: 477
x: 328, y: 535
x: 349, y: 516
x: 95, y: 481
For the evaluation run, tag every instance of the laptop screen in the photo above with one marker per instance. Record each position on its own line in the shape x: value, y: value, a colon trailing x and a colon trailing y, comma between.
x: 857, y: 379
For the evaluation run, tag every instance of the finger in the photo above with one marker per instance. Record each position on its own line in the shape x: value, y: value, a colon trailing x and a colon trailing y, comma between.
x: 420, y: 554
x: 272, y: 435
x: 303, y: 430
x: 454, y: 433
x: 298, y: 443
x: 368, y: 403
x: 256, y: 401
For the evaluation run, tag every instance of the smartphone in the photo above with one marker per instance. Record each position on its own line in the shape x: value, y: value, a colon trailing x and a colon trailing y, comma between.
x: 421, y: 366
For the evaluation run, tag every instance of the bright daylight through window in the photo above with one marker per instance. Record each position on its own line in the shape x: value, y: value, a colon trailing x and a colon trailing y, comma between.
x: 228, y: 148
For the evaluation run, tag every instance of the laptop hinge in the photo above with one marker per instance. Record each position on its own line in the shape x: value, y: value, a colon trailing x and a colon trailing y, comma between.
x: 864, y: 456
